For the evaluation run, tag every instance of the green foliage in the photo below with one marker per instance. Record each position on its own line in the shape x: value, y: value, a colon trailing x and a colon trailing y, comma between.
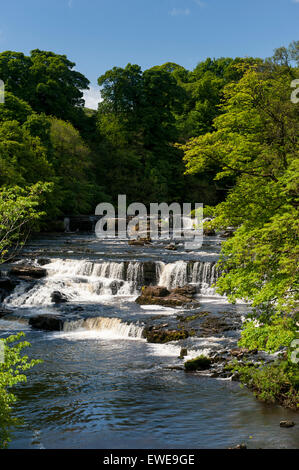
x: 46, y: 81
x: 256, y: 141
x: 11, y: 373
x: 71, y: 160
x: 268, y: 337
x: 19, y: 214
x: 275, y: 382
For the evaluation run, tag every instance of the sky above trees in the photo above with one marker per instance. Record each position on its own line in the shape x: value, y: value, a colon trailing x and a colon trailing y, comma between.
x: 99, y: 34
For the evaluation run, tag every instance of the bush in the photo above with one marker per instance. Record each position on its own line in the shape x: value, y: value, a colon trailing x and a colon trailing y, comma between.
x: 11, y: 373
x: 268, y: 337
x: 276, y: 382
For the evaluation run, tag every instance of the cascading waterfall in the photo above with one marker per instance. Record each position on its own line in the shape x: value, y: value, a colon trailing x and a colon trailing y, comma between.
x: 107, y: 327
x: 81, y: 280
x: 174, y: 275
x: 201, y: 274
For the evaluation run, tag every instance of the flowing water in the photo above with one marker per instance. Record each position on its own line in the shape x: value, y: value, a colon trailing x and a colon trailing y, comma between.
x: 102, y: 385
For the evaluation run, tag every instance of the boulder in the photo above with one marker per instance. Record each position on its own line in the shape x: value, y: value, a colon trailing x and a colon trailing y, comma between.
x: 157, y: 295
x: 58, y: 297
x: 286, y: 424
x: 171, y: 247
x: 28, y: 271
x: 161, y: 335
x: 199, y: 363
x: 187, y: 291
x: 213, y: 325
x: 47, y: 322
x: 155, y: 291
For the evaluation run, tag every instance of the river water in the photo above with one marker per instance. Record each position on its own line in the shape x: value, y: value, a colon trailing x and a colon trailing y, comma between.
x: 102, y: 385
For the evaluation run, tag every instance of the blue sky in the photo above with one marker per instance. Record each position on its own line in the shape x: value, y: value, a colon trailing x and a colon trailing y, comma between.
x: 100, y: 34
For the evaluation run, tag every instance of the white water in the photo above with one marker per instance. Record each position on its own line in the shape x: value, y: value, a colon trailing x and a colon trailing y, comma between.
x: 202, y: 274
x: 108, y: 328
x: 86, y: 281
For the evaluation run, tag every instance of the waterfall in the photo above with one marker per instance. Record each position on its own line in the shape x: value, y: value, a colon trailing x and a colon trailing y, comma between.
x: 201, y: 274
x: 107, y: 327
x: 80, y: 280
x: 87, y: 281
x: 174, y: 275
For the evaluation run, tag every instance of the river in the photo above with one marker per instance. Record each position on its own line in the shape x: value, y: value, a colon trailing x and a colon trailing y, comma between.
x: 102, y: 385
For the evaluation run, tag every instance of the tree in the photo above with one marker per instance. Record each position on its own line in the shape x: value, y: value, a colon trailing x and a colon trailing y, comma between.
x: 19, y: 214
x: 256, y: 141
x: 11, y: 373
x: 46, y: 81
x: 71, y: 160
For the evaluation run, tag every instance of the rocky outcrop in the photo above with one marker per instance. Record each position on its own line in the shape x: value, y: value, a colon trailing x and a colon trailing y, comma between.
x: 158, y: 295
x: 198, y: 363
x: 28, y: 272
x: 213, y: 325
x: 163, y: 335
x: 47, y: 322
x: 155, y: 291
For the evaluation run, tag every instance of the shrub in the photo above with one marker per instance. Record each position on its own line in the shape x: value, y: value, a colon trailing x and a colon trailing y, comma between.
x: 11, y: 373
